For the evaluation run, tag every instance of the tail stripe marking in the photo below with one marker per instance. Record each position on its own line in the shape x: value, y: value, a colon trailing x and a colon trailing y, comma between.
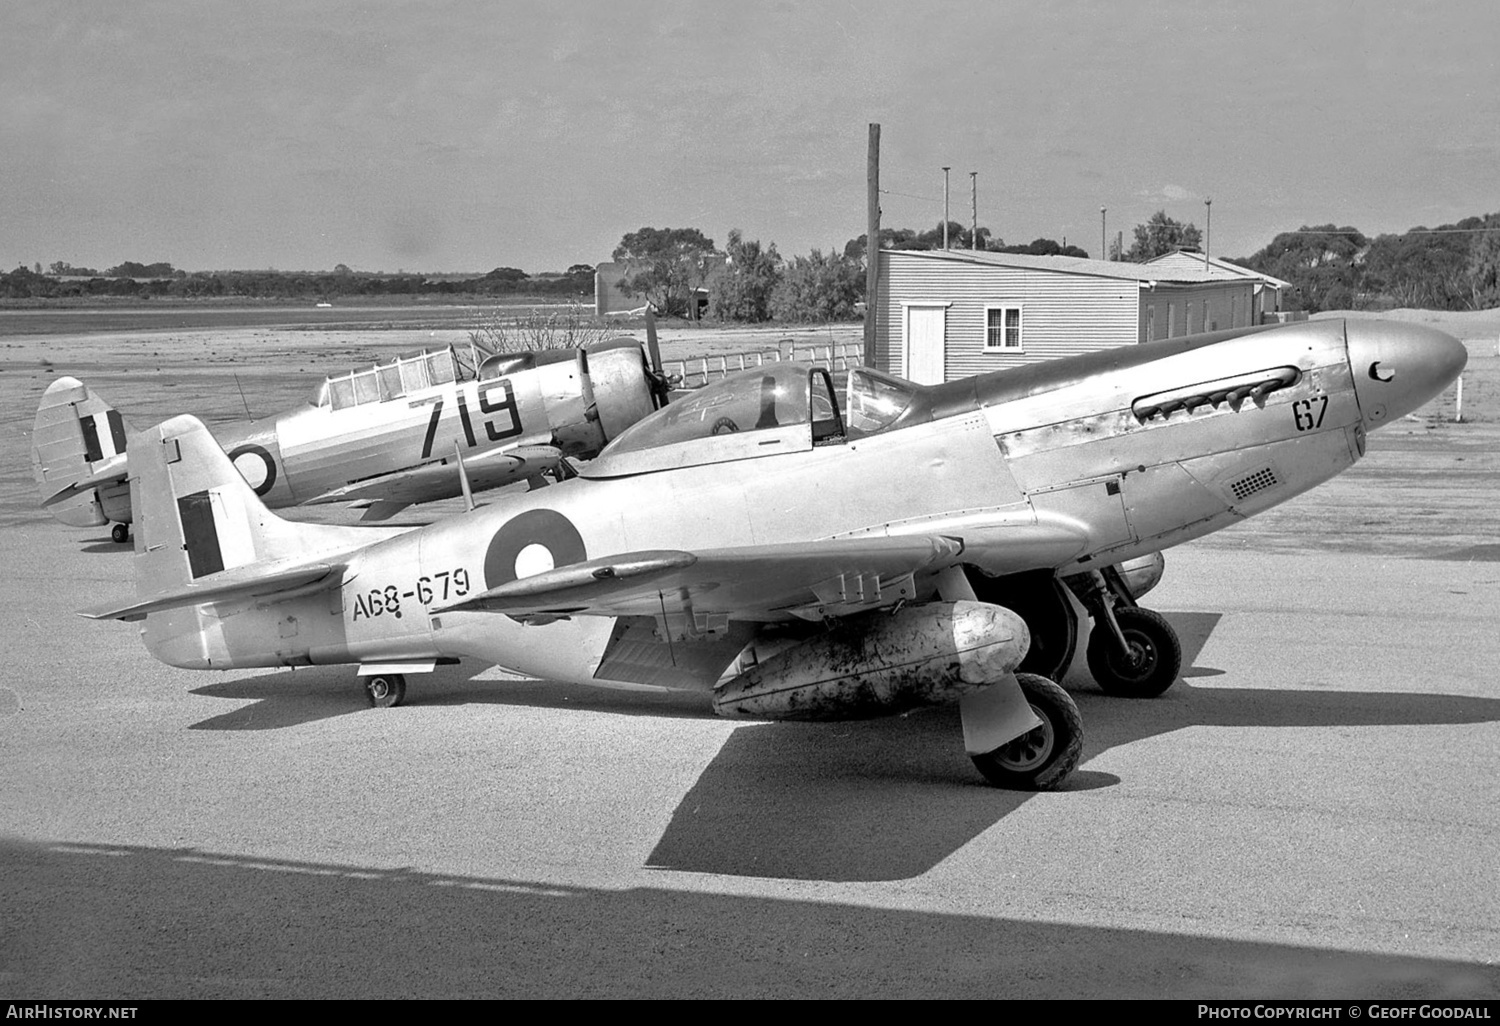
x: 116, y: 429
x: 91, y: 450
x: 200, y: 536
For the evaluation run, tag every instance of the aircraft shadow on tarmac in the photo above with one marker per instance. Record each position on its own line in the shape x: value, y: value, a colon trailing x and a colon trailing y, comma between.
x: 147, y: 922
x: 857, y: 801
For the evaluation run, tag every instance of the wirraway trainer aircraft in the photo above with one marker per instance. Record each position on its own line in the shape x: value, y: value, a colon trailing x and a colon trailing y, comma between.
x: 383, y: 438
x: 755, y: 541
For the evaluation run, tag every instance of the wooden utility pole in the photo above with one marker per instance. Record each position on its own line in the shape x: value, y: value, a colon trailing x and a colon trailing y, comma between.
x: 872, y: 242
x: 973, y: 209
x: 1208, y: 217
x: 945, y: 207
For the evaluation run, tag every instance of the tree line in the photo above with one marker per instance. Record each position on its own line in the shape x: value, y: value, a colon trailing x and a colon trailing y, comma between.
x: 1451, y: 267
x: 161, y: 280
x: 748, y: 281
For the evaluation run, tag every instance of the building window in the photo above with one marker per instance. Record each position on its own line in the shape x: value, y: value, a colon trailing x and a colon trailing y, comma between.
x: 1002, y: 329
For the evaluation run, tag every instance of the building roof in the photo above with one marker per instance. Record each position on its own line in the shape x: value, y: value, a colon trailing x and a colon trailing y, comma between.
x: 1147, y: 274
x: 1221, y: 269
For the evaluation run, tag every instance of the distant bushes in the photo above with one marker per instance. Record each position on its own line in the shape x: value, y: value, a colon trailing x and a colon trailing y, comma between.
x: 149, y: 281
x: 1451, y: 267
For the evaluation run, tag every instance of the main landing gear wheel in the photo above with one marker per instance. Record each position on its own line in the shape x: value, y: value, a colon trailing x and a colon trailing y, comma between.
x: 1152, y: 664
x: 1042, y: 758
x: 385, y: 690
x: 120, y: 534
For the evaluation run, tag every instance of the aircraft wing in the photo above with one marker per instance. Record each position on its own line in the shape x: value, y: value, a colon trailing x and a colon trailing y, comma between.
x: 254, y: 580
x: 108, y: 470
x: 388, y: 494
x: 807, y: 580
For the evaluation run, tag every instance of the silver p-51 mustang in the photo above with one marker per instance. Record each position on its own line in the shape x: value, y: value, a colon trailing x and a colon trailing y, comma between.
x: 796, y: 560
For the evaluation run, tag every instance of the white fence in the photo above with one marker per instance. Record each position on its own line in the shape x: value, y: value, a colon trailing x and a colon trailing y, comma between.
x: 699, y: 371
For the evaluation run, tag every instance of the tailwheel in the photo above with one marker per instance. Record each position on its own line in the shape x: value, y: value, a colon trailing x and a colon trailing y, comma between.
x: 120, y: 534
x: 1042, y: 758
x: 1151, y: 661
x: 385, y: 690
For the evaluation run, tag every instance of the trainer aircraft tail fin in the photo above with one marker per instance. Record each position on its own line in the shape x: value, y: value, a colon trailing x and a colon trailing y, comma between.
x: 78, y: 456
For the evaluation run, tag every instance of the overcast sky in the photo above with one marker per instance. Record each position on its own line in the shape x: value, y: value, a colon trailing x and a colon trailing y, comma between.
x: 467, y: 135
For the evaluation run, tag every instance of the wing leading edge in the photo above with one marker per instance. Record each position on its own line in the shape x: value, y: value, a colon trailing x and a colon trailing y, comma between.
x: 801, y: 580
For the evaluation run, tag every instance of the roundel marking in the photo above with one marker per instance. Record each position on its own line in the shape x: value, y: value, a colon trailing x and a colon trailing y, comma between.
x: 532, y: 543
x: 256, y: 466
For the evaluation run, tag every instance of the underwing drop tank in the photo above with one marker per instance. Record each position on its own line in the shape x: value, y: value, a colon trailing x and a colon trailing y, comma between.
x: 882, y: 663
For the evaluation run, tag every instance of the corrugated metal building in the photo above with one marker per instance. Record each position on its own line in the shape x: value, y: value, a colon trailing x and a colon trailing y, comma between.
x: 1266, y: 289
x: 948, y: 314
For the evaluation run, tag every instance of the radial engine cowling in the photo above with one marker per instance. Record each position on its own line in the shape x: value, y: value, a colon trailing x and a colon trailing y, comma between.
x: 882, y: 663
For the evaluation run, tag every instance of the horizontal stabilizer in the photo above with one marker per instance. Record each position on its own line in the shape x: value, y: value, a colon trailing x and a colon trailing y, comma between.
x: 245, y: 582
x: 388, y: 494
x: 110, y: 470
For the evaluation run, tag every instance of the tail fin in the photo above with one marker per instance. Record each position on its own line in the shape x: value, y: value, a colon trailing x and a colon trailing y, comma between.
x: 196, y: 517
x: 78, y: 455
x: 204, y: 537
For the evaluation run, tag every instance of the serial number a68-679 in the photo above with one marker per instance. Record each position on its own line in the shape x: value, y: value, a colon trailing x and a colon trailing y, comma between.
x: 426, y: 590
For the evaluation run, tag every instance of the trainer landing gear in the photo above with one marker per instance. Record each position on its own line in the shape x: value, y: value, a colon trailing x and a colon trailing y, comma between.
x: 1133, y: 652
x: 385, y: 690
x: 119, y: 534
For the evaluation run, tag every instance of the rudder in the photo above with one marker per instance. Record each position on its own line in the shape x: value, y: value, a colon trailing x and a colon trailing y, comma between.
x: 78, y: 436
x: 196, y: 516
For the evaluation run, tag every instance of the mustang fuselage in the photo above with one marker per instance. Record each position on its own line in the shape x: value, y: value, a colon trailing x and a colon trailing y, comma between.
x: 1066, y: 466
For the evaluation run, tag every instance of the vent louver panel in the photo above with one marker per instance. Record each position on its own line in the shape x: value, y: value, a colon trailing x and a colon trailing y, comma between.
x: 1258, y: 481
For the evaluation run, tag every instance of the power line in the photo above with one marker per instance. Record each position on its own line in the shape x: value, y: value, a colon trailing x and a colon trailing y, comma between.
x: 892, y: 192
x: 1413, y: 231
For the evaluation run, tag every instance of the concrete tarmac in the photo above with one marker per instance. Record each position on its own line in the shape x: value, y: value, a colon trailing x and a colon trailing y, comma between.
x: 1311, y: 812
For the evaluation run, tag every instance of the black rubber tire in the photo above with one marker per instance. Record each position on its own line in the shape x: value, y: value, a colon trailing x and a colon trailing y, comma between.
x: 1157, y: 661
x: 385, y: 690
x: 1042, y: 759
x: 724, y: 425
x: 120, y: 534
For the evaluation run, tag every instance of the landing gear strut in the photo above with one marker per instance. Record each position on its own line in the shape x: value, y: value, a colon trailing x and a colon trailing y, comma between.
x: 385, y: 690
x: 119, y: 534
x: 1133, y: 652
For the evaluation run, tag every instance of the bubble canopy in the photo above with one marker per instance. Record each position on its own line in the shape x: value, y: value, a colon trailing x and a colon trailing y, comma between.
x: 779, y: 408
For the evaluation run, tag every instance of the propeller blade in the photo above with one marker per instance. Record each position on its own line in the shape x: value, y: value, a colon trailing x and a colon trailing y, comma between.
x: 662, y: 387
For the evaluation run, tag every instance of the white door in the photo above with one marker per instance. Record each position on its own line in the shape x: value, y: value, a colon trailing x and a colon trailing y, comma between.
x: 924, y: 344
